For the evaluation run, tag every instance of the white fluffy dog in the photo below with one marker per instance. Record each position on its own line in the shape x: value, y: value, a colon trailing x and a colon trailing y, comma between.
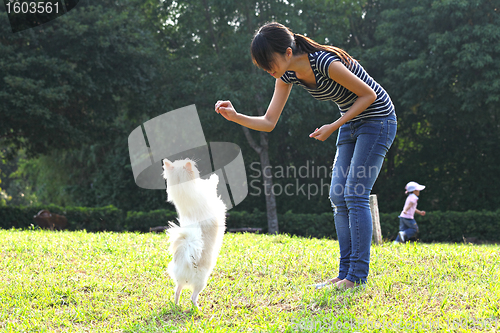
x: 196, y: 243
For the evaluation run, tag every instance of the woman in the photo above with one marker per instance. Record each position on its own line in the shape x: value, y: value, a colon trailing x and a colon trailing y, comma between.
x: 367, y: 128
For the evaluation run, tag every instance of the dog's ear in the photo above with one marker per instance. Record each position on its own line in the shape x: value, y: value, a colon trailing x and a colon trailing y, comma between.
x: 167, y: 165
x: 188, y: 166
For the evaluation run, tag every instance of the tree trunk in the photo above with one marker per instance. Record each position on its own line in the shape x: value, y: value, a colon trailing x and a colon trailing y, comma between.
x: 272, y: 213
x: 354, y: 32
x: 211, y: 26
x: 267, y: 177
x: 263, y: 151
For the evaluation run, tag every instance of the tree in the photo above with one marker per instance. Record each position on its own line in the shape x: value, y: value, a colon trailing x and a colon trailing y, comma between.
x: 438, y: 62
x: 71, y: 92
x: 64, y: 83
x: 75, y: 94
x: 209, y: 41
x: 208, y: 36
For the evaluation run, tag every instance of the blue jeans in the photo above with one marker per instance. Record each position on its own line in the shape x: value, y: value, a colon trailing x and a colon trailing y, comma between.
x: 408, y: 226
x: 361, y: 149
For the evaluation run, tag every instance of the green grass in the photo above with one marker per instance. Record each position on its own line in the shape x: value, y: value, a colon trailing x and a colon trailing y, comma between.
x: 116, y: 282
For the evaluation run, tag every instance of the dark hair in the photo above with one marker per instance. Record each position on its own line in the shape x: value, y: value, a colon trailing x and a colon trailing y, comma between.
x: 274, y: 38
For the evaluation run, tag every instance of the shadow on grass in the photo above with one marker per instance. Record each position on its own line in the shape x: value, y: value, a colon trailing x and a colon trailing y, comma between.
x: 172, y: 318
x: 326, y: 310
x: 332, y: 298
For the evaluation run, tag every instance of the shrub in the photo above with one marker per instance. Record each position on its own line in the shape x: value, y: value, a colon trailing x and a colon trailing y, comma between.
x: 256, y: 219
x: 448, y: 226
x: 435, y: 226
x: 107, y: 218
x: 308, y: 225
x: 142, y: 221
x: 91, y: 219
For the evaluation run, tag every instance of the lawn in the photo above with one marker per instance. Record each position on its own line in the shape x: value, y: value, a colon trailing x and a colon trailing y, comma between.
x: 117, y: 282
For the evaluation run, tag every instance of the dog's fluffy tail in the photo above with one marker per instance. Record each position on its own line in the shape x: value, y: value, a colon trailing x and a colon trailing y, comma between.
x: 186, y: 245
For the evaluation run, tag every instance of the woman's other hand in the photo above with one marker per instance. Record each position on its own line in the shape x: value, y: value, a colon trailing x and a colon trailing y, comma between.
x: 226, y: 109
x: 323, y: 132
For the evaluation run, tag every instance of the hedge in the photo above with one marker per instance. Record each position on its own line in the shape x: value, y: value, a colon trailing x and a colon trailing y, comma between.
x: 454, y: 227
x: 142, y: 221
x: 91, y: 219
x: 434, y: 227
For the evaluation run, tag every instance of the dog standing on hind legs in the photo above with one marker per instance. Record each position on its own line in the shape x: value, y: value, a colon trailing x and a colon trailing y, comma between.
x: 196, y: 242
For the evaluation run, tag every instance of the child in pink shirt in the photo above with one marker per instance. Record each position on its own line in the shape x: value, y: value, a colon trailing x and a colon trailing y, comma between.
x: 407, y: 225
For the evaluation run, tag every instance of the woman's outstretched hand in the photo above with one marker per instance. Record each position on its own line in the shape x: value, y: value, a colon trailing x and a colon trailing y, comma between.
x: 226, y: 109
x: 323, y: 132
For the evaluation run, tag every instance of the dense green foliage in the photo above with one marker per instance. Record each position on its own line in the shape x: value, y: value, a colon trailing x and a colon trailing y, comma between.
x: 68, y: 82
x: 72, y: 90
x: 437, y: 60
x: 70, y: 93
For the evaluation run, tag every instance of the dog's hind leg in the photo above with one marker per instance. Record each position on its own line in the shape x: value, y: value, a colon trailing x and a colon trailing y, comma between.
x: 194, y: 297
x: 177, y: 296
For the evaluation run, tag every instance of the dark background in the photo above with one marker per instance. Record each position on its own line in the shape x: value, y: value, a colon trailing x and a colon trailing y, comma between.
x: 73, y: 89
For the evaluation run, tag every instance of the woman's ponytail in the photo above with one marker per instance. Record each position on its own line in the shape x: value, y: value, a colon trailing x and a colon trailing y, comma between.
x: 307, y: 45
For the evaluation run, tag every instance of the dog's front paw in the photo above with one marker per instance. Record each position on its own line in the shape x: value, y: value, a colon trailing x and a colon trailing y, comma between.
x: 214, y: 178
